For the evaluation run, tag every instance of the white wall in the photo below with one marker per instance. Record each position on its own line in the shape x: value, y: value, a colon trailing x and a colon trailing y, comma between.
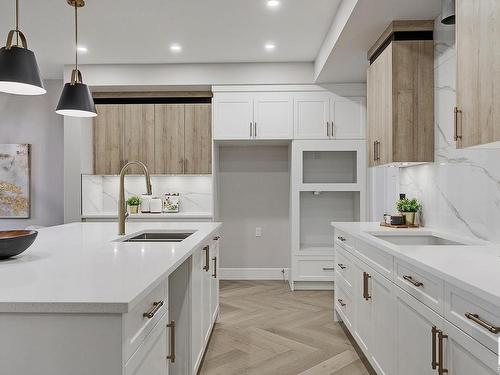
x: 253, y: 191
x: 32, y: 120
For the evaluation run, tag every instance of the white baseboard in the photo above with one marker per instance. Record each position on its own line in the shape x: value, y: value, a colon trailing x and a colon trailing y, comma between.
x: 252, y: 273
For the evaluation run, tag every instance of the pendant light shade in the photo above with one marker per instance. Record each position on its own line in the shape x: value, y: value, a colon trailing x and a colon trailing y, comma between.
x: 448, y: 12
x: 76, y: 99
x: 19, y: 73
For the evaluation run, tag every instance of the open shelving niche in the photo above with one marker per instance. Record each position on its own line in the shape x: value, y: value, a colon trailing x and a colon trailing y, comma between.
x: 328, y: 183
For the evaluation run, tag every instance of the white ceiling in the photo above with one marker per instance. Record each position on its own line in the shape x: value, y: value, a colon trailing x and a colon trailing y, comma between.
x: 141, y: 31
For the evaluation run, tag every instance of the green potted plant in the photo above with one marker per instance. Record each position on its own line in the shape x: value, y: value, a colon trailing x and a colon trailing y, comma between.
x: 133, y: 204
x: 408, y: 208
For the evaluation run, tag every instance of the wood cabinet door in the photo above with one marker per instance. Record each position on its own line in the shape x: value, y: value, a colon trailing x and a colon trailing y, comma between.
x: 413, y: 335
x: 478, y: 71
x: 379, y: 106
x: 312, y: 115
x: 273, y: 116
x: 233, y: 116
x: 108, y: 139
x: 169, y: 138
x: 347, y: 117
x: 466, y: 356
x: 139, y: 135
x: 198, y: 138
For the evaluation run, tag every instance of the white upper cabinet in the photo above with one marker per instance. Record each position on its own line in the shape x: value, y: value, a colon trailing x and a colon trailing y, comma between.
x: 286, y: 113
x: 312, y: 115
x: 233, y: 116
x: 347, y: 117
x: 273, y: 116
x: 320, y: 115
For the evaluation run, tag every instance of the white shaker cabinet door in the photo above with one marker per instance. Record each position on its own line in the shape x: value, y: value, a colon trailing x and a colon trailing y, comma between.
x: 413, y: 327
x: 312, y: 115
x: 206, y: 294
x: 273, y: 116
x: 465, y: 356
x: 214, y: 283
x: 363, y: 311
x: 197, y: 275
x: 233, y: 116
x: 347, y: 117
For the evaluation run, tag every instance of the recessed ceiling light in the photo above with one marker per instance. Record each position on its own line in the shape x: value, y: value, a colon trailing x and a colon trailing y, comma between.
x: 270, y: 46
x: 82, y: 49
x: 273, y: 3
x: 175, y: 47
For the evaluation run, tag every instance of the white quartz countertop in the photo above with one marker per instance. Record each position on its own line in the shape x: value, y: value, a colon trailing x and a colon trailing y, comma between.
x: 474, y: 267
x: 152, y: 216
x: 80, y: 268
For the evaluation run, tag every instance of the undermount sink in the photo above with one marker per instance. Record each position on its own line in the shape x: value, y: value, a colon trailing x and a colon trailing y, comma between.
x: 417, y: 240
x: 158, y: 237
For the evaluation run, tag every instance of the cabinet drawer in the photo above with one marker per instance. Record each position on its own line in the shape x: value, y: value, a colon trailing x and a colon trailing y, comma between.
x: 345, y: 240
x: 137, y: 326
x: 423, y: 286
x: 315, y: 269
x: 458, y: 303
x: 344, y: 303
x: 344, y: 267
x: 375, y: 258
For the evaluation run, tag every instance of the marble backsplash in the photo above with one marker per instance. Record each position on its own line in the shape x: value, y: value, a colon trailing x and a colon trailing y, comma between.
x: 100, y: 193
x: 460, y: 192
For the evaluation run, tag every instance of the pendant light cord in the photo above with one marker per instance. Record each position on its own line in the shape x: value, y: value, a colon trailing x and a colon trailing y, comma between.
x: 17, y: 22
x: 76, y: 35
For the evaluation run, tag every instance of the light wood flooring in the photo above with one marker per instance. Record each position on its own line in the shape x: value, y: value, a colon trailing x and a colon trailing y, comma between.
x: 264, y: 328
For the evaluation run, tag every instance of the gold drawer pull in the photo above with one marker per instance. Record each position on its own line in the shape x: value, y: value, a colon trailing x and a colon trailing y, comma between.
x: 342, y: 303
x: 441, y: 369
x: 171, y: 356
x: 216, y: 238
x: 206, y: 267
x: 214, y: 275
x: 413, y: 281
x: 476, y: 319
x: 342, y: 267
x: 434, y: 363
x: 154, y: 309
x: 366, y: 294
x: 341, y: 238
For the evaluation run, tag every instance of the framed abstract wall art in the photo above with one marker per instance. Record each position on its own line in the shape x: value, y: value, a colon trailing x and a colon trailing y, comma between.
x: 14, y: 181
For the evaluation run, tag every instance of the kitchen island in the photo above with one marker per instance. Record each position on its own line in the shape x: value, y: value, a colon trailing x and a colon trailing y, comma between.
x: 81, y: 301
x: 418, y: 301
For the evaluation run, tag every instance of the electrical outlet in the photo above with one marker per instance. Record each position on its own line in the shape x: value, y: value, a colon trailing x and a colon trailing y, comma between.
x: 258, y: 231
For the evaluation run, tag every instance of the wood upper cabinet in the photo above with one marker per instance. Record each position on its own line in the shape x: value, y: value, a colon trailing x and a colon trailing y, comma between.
x: 198, y: 138
x: 478, y: 72
x: 401, y: 103
x: 108, y: 139
x: 168, y: 138
x: 139, y: 135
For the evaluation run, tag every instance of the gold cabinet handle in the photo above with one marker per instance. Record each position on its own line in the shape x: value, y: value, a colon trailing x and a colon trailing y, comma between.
x: 476, y: 319
x: 171, y: 356
x: 441, y: 337
x: 255, y: 129
x: 332, y: 129
x: 340, y: 238
x: 411, y: 280
x: 328, y: 129
x: 458, y: 112
x: 342, y: 267
x: 206, y: 267
x: 251, y: 129
x: 185, y: 166
x: 214, y: 275
x: 366, y: 295
x: 328, y: 269
x: 341, y: 302
x: 216, y: 238
x: 154, y: 309
x: 434, y: 363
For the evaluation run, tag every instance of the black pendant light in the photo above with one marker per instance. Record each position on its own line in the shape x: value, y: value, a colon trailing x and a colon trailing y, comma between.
x: 76, y: 99
x: 19, y: 73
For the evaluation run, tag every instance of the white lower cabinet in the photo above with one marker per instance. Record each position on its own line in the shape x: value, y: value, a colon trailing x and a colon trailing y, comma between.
x: 403, y: 333
x: 214, y: 282
x: 151, y: 357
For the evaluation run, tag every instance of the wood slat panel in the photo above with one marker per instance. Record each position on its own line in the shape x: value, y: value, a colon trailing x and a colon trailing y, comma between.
x: 169, y: 138
x: 139, y: 135
x: 108, y: 139
x: 198, y: 138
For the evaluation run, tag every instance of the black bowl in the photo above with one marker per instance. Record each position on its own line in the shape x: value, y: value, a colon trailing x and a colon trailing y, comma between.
x: 14, y: 242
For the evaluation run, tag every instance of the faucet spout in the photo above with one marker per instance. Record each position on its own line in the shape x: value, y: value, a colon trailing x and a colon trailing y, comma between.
x: 122, y: 205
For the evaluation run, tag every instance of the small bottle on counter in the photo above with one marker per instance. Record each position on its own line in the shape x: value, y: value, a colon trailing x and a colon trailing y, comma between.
x: 171, y: 202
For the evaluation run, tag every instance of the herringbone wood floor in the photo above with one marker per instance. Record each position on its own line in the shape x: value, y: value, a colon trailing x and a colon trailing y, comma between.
x: 264, y: 328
